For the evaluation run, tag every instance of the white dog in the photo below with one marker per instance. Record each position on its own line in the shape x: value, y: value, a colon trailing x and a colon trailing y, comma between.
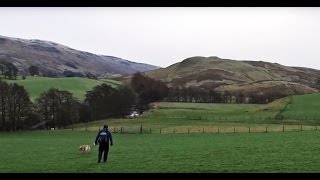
x: 85, y: 148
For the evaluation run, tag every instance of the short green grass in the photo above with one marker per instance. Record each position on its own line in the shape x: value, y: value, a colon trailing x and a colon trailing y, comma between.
x: 275, y: 151
x: 304, y: 107
x: 174, y: 115
x: 213, y: 112
x: 111, y: 81
x: 57, y: 151
x: 76, y: 85
x: 212, y: 118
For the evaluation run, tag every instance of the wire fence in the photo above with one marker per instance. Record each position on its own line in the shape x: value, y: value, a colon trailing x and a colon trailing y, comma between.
x: 273, y: 115
x: 203, y: 129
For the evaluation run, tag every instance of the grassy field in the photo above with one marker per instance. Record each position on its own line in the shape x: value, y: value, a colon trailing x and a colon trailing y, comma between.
x: 199, y: 115
x: 57, y: 151
x: 304, y: 107
x: 77, y: 86
x: 251, y: 113
x: 210, y: 118
x: 195, y: 137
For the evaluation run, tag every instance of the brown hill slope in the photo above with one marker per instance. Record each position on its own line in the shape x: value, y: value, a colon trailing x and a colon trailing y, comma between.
x: 238, y: 76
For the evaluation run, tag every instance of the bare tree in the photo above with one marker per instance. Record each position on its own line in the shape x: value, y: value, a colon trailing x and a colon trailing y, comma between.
x: 59, y: 108
x: 4, y: 91
x: 33, y: 70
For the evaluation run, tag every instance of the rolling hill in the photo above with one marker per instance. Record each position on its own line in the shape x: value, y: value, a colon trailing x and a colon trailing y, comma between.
x: 57, y: 59
x: 238, y: 76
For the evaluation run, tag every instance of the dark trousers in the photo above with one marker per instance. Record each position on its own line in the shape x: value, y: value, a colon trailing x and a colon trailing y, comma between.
x: 103, y: 149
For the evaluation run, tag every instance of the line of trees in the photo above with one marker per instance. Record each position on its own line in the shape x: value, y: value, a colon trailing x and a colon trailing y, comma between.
x: 8, y: 70
x: 103, y: 102
x: 194, y: 94
x: 60, y: 109
x: 16, y: 109
x: 198, y: 95
x: 147, y: 90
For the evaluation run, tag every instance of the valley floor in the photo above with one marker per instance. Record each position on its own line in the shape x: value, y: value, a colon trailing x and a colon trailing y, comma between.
x: 57, y: 151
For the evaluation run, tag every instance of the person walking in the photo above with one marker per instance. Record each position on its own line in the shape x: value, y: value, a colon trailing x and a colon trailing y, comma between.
x: 103, y: 138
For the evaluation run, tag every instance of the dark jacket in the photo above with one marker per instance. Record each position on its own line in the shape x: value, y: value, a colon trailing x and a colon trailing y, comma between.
x: 109, y: 136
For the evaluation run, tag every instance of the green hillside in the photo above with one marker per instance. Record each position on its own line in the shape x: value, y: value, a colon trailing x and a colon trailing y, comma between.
x: 76, y: 85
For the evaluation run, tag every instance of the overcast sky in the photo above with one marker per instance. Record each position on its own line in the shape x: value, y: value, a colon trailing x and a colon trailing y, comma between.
x: 163, y: 36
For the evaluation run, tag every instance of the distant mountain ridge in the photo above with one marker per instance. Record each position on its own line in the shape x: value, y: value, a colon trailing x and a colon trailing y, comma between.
x: 55, y: 58
x: 214, y: 73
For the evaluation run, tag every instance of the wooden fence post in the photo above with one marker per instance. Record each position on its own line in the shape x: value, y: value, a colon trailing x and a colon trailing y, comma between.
x: 174, y: 130
x: 150, y: 130
x: 141, y: 129
x: 249, y: 129
x: 316, y: 127
x: 188, y: 130
x: 301, y: 128
x: 203, y: 130
x: 234, y: 129
x: 160, y: 130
